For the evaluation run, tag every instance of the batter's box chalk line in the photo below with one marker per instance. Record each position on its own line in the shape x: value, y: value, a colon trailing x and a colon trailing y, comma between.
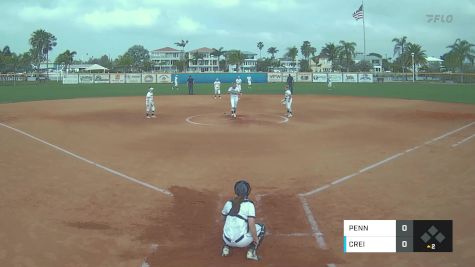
x: 97, y: 165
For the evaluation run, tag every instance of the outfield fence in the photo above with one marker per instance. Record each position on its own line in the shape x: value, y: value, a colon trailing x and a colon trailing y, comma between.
x: 258, y: 77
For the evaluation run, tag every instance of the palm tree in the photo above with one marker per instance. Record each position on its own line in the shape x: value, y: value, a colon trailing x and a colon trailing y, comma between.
x: 260, y: 45
x: 42, y: 42
x: 419, y: 54
x: 347, y: 52
x: 399, y: 48
x: 306, y: 49
x: 236, y: 57
x: 182, y: 44
x: 272, y: 50
x: 460, y: 51
x: 332, y: 52
x: 66, y: 58
x: 218, y: 53
x: 292, y: 54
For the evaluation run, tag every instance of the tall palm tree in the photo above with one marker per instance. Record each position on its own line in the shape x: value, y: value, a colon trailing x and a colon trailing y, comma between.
x: 419, y: 54
x: 196, y: 57
x: 182, y: 44
x: 218, y: 53
x: 260, y: 45
x: 307, y: 50
x: 236, y: 57
x: 460, y: 51
x: 272, y: 50
x: 66, y: 58
x: 332, y: 52
x: 42, y: 42
x: 292, y: 53
x: 399, y: 48
x: 347, y: 52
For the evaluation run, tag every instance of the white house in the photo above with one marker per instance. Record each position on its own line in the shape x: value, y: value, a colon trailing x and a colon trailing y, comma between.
x: 208, y: 62
x: 249, y: 65
x: 164, y: 59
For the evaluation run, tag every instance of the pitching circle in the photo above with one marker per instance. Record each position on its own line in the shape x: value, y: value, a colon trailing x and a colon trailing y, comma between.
x: 213, y: 119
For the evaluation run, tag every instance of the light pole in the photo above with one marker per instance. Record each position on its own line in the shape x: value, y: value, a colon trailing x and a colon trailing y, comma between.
x: 413, y: 68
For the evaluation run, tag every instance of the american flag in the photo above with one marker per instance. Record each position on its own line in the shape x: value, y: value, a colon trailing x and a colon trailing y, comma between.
x: 359, y: 14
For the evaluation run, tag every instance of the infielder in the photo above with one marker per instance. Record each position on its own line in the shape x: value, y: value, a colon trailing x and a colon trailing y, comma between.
x: 249, y: 82
x: 238, y: 82
x: 234, y: 93
x: 240, y: 228
x: 149, y: 104
x: 287, y: 101
x: 217, y: 88
x: 329, y: 83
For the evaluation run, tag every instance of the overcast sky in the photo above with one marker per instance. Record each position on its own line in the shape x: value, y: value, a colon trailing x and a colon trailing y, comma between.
x: 110, y: 27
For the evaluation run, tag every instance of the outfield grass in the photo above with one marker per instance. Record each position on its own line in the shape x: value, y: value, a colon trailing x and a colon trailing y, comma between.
x: 460, y: 93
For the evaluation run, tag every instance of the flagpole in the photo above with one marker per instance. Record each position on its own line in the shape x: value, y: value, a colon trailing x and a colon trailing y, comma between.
x: 364, y: 32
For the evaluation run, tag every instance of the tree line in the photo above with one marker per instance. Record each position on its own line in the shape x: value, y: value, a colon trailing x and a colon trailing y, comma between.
x: 341, y: 55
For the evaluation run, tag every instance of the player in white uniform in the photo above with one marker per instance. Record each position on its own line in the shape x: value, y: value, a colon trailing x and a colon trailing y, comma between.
x: 175, y: 83
x: 249, y: 82
x: 217, y: 88
x: 329, y: 83
x: 287, y: 101
x: 234, y: 93
x: 149, y: 104
x: 238, y: 82
x: 240, y: 228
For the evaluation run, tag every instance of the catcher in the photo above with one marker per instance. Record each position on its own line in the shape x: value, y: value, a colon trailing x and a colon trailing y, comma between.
x: 149, y: 104
x: 240, y: 228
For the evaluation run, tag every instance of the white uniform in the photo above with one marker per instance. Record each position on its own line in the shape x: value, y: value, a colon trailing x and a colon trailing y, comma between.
x: 249, y: 81
x: 217, y: 88
x: 238, y: 83
x: 288, y: 102
x: 176, y: 81
x: 234, y: 97
x: 236, y: 229
x: 149, y: 103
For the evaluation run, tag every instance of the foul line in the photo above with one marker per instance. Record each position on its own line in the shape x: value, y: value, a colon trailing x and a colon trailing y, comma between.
x: 131, y: 179
x: 386, y: 160
x: 319, y: 237
x: 463, y: 141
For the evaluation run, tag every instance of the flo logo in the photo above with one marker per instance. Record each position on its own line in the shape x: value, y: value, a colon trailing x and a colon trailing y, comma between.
x: 431, y: 18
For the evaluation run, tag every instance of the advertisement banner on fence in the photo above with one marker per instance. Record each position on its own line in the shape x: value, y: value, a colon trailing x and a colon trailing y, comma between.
x: 350, y: 77
x: 164, y: 78
x: 133, y: 78
x: 304, y: 77
x: 101, y: 78
x: 149, y: 78
x: 274, y: 77
x: 365, y: 78
x: 117, y: 78
x: 71, y: 79
x: 335, y: 77
x: 86, y: 78
x: 285, y: 76
x: 319, y: 77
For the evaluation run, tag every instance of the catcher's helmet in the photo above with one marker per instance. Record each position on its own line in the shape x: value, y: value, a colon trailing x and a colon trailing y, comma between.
x: 242, y: 188
x: 150, y: 89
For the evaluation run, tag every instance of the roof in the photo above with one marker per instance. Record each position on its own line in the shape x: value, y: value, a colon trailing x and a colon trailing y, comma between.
x: 433, y: 59
x: 248, y: 53
x: 202, y: 50
x: 96, y: 67
x: 166, y: 49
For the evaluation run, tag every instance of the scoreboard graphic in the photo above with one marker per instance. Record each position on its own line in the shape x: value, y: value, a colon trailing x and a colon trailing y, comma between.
x: 362, y: 236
